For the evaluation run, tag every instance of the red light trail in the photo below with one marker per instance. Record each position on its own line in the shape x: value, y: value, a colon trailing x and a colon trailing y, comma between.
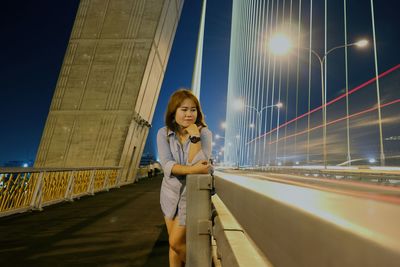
x: 363, y: 85
x: 337, y: 120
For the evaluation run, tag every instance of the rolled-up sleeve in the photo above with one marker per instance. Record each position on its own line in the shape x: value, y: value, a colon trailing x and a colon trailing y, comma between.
x: 205, y: 151
x: 164, y: 152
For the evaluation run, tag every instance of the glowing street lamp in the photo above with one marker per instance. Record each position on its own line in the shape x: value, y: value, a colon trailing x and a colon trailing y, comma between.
x: 281, y: 44
x: 217, y: 136
x: 240, y: 105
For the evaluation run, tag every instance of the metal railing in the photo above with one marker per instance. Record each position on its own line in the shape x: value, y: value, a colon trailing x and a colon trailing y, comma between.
x: 230, y: 247
x: 255, y: 222
x: 23, y: 189
x: 198, y: 220
x: 298, y: 226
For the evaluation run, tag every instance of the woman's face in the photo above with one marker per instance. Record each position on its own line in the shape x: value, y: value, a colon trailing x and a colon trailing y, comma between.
x: 186, y: 114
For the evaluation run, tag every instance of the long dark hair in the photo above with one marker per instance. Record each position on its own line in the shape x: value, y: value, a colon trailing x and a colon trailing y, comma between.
x: 175, y: 102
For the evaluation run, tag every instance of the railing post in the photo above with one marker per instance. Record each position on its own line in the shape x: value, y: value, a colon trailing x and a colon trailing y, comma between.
x: 118, y: 179
x: 198, y: 220
x: 70, y: 187
x: 91, y: 183
x: 36, y: 201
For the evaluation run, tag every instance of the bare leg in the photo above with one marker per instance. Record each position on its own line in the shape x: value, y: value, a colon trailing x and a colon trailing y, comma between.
x: 177, y: 239
x: 174, y: 260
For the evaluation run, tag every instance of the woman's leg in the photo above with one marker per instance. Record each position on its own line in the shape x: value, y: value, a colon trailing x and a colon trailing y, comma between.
x: 174, y: 260
x: 177, y: 239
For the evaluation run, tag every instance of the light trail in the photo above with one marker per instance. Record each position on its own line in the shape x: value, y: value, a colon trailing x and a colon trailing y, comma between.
x: 302, y: 182
x: 363, y: 85
x: 335, y: 121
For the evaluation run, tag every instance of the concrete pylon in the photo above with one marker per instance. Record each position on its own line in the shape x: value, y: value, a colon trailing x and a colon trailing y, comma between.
x: 109, y: 83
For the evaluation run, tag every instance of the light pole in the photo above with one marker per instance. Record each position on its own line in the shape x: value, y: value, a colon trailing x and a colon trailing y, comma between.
x: 280, y: 45
x: 237, y: 150
x: 240, y: 106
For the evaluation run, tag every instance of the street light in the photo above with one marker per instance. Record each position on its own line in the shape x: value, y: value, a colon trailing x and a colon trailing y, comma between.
x: 217, y: 136
x: 240, y: 105
x: 280, y: 44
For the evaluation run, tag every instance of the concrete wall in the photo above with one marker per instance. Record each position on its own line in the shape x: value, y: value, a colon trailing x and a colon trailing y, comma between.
x: 109, y: 83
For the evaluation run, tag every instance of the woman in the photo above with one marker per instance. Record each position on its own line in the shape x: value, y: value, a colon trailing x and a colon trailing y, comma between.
x: 184, y: 147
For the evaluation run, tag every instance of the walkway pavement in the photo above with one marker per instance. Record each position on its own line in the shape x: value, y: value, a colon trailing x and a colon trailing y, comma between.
x: 122, y: 227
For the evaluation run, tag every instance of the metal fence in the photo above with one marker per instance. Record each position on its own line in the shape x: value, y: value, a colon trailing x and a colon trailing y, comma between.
x: 23, y: 189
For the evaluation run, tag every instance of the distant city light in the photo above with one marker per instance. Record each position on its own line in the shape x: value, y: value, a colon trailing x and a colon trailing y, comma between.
x: 371, y: 160
x: 25, y: 165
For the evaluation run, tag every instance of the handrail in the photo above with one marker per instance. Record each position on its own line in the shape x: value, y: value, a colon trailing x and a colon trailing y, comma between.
x: 234, y: 247
x: 297, y: 226
x: 24, y: 189
x: 198, y: 220
x: 34, y: 169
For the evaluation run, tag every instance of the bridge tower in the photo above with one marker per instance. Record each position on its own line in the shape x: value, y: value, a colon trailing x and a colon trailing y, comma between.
x: 109, y: 84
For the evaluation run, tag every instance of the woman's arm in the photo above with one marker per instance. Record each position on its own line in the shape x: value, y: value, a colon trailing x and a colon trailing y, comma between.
x: 168, y: 163
x: 194, y: 148
x: 201, y: 167
x: 202, y: 149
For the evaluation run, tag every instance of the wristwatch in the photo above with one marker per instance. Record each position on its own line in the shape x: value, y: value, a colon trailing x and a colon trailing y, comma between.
x: 194, y: 139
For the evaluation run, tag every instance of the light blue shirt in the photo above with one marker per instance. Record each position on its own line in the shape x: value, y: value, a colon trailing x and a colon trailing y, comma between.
x: 171, y: 152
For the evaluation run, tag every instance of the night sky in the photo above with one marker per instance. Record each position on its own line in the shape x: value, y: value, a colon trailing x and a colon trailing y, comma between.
x: 35, y: 36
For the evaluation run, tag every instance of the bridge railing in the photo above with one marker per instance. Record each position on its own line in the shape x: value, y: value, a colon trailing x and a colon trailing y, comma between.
x: 214, y: 237
x: 255, y: 222
x: 299, y: 226
x: 23, y: 189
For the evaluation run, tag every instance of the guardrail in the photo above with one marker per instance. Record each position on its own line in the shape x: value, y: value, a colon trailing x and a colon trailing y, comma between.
x: 297, y: 226
x: 198, y: 220
x: 230, y: 247
x: 23, y: 189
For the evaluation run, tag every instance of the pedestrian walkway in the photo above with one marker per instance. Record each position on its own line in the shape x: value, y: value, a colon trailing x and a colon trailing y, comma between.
x: 122, y: 227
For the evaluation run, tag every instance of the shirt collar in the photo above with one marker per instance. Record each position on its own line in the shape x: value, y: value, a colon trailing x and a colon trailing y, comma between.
x: 169, y: 132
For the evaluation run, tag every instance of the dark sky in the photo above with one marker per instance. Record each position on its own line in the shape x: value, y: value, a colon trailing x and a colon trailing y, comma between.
x: 35, y: 36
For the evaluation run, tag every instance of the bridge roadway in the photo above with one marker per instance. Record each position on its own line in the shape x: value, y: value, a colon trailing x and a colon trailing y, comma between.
x: 122, y: 227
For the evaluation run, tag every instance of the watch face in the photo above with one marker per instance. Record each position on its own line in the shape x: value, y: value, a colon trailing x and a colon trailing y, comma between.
x: 194, y: 139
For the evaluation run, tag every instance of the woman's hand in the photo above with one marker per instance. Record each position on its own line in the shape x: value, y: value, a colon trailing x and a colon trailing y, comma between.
x: 193, y: 130
x: 201, y: 167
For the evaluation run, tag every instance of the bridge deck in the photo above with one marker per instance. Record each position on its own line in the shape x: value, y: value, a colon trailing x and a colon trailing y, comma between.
x: 123, y: 227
